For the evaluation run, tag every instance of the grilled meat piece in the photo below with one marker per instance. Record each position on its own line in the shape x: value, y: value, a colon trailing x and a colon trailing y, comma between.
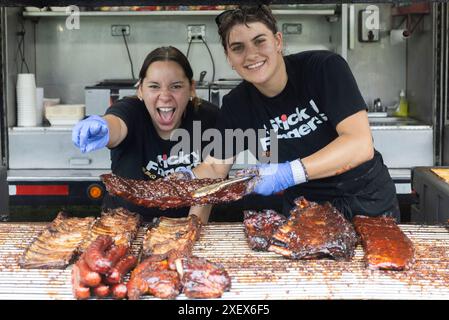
x: 120, y: 224
x: 315, y: 231
x: 57, y: 245
x: 153, y: 276
x: 95, y: 255
x: 260, y: 226
x: 202, y: 279
x: 170, y: 193
x: 174, y: 237
x: 386, y: 246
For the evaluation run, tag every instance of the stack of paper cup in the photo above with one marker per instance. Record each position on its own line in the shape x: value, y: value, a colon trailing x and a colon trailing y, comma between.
x: 26, y: 100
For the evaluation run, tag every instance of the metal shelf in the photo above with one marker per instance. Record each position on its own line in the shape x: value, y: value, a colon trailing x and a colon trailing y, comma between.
x: 48, y: 14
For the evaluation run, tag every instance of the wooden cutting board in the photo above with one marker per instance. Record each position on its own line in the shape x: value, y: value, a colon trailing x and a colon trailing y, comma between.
x: 442, y: 173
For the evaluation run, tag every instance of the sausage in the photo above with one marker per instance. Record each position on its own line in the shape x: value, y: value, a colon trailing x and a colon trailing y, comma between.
x: 122, y: 267
x: 95, y: 254
x: 88, y: 277
x: 102, y: 291
x: 119, y: 291
x: 79, y: 291
x: 116, y: 253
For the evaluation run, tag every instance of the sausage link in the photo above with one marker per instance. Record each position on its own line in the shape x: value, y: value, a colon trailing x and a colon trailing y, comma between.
x: 79, y: 291
x: 88, y: 277
x: 122, y: 267
x: 102, y: 291
x: 115, y: 253
x: 119, y: 291
x: 95, y: 254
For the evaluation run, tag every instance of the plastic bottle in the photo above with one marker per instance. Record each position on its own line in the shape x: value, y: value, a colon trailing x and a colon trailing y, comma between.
x: 402, y: 110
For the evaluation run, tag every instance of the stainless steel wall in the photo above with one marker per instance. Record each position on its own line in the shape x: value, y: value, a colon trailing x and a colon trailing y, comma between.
x: 67, y: 60
x: 379, y: 67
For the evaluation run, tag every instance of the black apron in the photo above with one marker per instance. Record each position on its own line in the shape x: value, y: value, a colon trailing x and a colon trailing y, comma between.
x: 373, y: 193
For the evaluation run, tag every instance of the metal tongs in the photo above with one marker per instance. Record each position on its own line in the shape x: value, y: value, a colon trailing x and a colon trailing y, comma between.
x: 212, y: 188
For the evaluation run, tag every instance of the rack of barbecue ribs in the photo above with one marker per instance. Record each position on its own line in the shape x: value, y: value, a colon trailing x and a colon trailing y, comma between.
x: 315, y: 231
x: 202, y: 279
x: 153, y: 276
x: 171, y: 193
x: 260, y: 226
x: 193, y: 276
x: 386, y: 246
x: 58, y: 244
x: 120, y: 224
x: 173, y: 237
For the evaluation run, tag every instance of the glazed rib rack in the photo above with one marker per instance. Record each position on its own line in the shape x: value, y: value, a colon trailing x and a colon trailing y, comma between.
x: 256, y: 275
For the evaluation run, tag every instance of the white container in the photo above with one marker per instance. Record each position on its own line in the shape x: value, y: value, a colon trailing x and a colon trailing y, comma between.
x: 59, y: 9
x: 35, y: 9
x: 65, y: 114
x: 39, y: 106
x: 51, y: 102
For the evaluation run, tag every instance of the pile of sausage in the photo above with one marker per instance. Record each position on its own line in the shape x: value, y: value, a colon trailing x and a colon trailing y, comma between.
x: 100, y: 270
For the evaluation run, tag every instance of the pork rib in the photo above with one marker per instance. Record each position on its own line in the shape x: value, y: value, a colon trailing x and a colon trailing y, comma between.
x: 153, y: 276
x: 315, y: 231
x: 173, y: 237
x: 120, y: 224
x: 260, y: 226
x: 58, y: 244
x: 386, y: 246
x: 170, y: 193
x: 202, y: 279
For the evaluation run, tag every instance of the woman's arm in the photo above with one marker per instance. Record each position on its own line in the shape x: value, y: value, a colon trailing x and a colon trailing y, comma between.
x: 213, y: 168
x: 117, y: 130
x: 210, y: 168
x: 352, y: 147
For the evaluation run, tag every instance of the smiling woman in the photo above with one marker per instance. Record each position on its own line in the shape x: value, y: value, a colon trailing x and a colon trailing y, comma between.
x: 312, y: 102
x: 138, y: 129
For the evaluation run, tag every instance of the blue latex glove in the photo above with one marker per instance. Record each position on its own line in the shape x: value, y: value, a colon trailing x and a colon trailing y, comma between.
x: 91, y: 134
x: 279, y: 176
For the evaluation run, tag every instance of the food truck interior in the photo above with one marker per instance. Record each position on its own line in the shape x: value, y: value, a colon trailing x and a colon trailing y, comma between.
x: 398, y: 53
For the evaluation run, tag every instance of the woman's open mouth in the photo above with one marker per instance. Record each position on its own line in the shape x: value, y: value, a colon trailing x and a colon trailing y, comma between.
x: 166, y: 114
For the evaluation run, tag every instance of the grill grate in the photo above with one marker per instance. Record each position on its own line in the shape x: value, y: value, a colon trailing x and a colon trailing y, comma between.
x: 256, y: 275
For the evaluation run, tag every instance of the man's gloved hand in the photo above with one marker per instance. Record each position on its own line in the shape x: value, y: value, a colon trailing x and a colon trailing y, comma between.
x: 91, y: 134
x: 279, y: 176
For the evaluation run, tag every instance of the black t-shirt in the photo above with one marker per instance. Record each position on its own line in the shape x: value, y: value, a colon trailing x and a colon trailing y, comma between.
x: 143, y: 155
x: 320, y: 92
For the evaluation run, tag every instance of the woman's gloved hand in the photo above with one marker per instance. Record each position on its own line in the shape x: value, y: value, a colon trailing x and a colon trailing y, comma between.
x: 276, y: 177
x: 91, y: 134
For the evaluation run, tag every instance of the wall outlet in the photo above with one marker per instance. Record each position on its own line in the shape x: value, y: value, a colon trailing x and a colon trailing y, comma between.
x: 369, y: 26
x: 194, y: 31
x: 117, y: 29
x: 291, y: 28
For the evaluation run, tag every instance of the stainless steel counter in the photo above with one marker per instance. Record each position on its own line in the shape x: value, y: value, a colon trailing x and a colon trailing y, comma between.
x: 403, y: 142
